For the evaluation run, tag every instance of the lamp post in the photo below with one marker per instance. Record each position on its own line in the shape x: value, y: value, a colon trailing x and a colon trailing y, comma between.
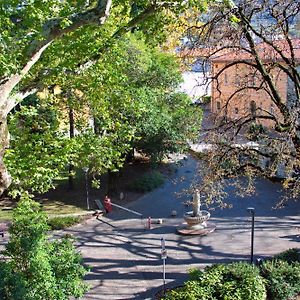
x: 251, y: 210
x: 86, y: 170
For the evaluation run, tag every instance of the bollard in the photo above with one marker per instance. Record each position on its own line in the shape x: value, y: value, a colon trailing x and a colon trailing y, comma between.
x: 149, y: 222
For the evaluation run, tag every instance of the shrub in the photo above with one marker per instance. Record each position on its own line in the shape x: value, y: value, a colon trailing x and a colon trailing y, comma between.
x: 240, y: 281
x: 192, y: 290
x: 206, y: 99
x: 63, y: 222
x: 290, y: 255
x: 283, y: 278
x: 148, y: 182
x: 38, y: 268
x: 237, y: 281
x: 255, y: 130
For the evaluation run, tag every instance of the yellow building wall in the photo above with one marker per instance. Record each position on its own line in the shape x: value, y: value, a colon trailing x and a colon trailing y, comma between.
x: 229, y: 100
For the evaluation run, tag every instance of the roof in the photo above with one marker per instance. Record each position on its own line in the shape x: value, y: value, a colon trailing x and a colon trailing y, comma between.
x: 265, y: 51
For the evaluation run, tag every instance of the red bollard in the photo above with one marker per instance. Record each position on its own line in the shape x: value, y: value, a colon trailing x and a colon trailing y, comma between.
x: 149, y: 222
x: 107, y: 205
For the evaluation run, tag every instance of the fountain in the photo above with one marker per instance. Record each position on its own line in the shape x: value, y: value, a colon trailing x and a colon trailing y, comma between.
x: 197, y: 219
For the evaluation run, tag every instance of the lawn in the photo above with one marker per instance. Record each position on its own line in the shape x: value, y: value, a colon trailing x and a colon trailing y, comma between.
x: 53, y: 208
x: 63, y: 201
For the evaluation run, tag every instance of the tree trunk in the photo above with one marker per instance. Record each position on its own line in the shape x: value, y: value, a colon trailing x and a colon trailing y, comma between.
x: 112, y: 186
x: 5, y: 178
x: 71, y: 166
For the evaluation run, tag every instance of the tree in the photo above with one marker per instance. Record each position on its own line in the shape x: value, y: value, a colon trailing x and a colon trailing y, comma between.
x: 131, y: 96
x: 256, y: 41
x: 35, y: 267
x: 145, y: 98
x: 39, y: 148
x: 31, y: 29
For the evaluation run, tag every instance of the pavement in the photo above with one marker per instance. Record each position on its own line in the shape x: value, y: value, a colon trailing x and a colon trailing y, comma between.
x: 125, y: 256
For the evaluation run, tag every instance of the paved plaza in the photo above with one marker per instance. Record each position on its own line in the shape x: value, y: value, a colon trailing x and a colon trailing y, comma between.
x: 125, y: 256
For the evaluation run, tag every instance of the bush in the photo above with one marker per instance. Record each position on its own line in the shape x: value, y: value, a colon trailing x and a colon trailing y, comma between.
x: 278, y: 277
x: 237, y: 281
x: 255, y: 130
x: 148, y: 182
x: 63, y: 222
x: 38, y: 268
x: 290, y: 255
x: 283, y: 278
x: 206, y: 99
x: 192, y: 290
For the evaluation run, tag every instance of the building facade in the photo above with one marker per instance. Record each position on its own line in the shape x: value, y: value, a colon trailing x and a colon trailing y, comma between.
x: 239, y: 90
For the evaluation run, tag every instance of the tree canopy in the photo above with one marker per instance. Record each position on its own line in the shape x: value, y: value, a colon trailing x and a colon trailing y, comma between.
x: 131, y: 97
x: 41, y: 39
x: 257, y: 41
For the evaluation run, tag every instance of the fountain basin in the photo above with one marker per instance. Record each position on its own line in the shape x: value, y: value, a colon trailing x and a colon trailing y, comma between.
x: 196, y: 225
x: 196, y: 222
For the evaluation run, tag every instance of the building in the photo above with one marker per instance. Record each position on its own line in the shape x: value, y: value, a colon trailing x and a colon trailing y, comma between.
x: 239, y: 90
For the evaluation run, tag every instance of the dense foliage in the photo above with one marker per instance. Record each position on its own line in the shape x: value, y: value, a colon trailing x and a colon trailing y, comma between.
x: 36, y: 268
x: 127, y: 100
x: 277, y: 278
x: 38, y: 149
x: 147, y: 182
x: 283, y: 279
x: 282, y: 274
x: 45, y: 40
x: 237, y: 281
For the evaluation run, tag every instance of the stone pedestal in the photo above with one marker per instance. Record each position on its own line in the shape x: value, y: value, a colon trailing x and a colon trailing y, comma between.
x: 185, y: 230
x: 196, y: 225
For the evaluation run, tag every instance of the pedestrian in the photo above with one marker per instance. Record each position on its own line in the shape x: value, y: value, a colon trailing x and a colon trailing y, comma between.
x: 107, y: 205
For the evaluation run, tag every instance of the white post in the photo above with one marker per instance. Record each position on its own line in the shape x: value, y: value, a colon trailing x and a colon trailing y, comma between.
x: 164, y: 257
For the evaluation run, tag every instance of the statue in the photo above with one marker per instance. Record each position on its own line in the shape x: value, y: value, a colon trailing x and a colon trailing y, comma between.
x: 196, y: 203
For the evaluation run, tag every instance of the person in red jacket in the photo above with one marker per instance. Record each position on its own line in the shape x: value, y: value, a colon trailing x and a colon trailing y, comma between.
x: 107, y: 205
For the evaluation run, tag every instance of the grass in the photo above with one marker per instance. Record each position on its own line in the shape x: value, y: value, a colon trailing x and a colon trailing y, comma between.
x: 52, y: 208
x: 57, y: 223
x: 60, y: 208
x: 5, y: 215
x: 63, y: 201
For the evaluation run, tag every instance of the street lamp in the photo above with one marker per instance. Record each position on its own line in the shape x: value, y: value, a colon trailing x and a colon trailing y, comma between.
x: 251, y: 210
x: 86, y: 170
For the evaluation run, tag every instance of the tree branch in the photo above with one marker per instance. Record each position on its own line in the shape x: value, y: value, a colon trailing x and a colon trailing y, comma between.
x: 52, y: 31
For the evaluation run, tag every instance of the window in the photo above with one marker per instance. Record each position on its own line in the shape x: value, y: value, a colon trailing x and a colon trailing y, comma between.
x: 226, y: 78
x: 236, y: 110
x: 253, y: 108
x: 218, y: 105
x: 252, y: 80
x: 237, y: 80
